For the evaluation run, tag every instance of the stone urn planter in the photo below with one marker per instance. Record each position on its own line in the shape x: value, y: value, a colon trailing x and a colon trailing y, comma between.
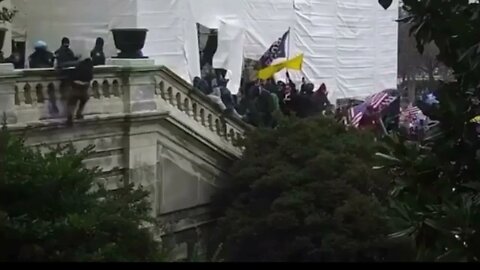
x: 130, y: 42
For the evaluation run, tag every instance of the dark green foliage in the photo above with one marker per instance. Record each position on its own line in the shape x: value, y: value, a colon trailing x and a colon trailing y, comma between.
x: 52, y: 210
x: 305, y: 191
x: 436, y: 196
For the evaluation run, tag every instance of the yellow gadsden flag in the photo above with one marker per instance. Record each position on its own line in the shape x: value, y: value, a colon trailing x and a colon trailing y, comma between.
x: 294, y: 63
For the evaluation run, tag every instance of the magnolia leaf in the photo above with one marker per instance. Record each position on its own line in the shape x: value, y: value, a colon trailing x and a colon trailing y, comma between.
x: 385, y: 3
x: 406, y: 232
x: 387, y: 157
x: 401, y: 209
x: 433, y: 224
x: 468, y: 53
x: 472, y: 185
x: 405, y: 19
x: 397, y: 190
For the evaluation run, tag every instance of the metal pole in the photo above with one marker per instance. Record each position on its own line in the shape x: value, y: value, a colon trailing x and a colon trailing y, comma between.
x: 289, y: 38
x: 383, y: 126
x: 288, y: 52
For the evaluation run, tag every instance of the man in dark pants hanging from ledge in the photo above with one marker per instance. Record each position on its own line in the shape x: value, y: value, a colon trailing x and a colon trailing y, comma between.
x: 79, y: 79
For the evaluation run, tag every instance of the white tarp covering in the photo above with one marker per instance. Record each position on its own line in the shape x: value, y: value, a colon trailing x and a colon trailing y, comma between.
x: 50, y: 20
x: 351, y: 45
x: 229, y: 55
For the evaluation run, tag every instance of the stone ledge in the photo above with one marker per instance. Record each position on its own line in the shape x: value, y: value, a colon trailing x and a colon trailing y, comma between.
x: 90, y: 120
x: 130, y: 62
x: 220, y: 145
x: 6, y: 68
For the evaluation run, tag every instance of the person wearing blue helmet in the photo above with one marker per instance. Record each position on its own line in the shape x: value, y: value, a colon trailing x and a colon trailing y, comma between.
x: 41, y: 57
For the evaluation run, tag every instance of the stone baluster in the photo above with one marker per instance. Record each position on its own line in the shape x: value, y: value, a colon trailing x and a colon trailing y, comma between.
x: 116, y: 91
x: 195, y: 113
x: 19, y: 94
x: 36, y: 94
x: 95, y: 90
x: 27, y: 94
x: 210, y: 123
x: 176, y: 99
x: 186, y: 106
x: 106, y: 91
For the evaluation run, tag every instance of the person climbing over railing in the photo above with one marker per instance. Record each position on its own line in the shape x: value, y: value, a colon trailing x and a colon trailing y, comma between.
x: 80, y: 80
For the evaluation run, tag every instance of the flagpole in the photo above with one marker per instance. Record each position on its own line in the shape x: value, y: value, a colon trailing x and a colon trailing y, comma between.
x: 384, y: 129
x: 288, y: 51
x: 289, y: 38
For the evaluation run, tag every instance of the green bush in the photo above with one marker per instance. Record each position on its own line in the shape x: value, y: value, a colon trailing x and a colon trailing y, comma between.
x: 51, y: 209
x: 306, y: 191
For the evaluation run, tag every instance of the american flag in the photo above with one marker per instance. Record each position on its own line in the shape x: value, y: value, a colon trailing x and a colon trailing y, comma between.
x: 387, y: 102
x: 356, y: 114
x: 378, y: 101
x: 411, y: 113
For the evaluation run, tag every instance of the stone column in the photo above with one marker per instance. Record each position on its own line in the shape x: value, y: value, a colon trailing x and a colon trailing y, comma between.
x: 138, y: 84
x: 140, y: 138
x: 141, y: 160
x: 7, y: 93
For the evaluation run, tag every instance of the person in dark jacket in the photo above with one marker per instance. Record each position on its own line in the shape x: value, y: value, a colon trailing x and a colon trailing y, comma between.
x: 225, y: 94
x: 281, y: 86
x: 41, y: 57
x: 265, y: 107
x: 244, y: 101
x: 64, y: 54
x: 97, y: 54
x: 303, y: 87
x: 285, y: 99
x: 196, y: 83
x: 202, y: 85
x: 370, y: 120
x: 301, y: 105
x: 249, y: 104
x: 320, y: 98
x: 307, y: 89
x: 80, y: 82
x: 290, y: 82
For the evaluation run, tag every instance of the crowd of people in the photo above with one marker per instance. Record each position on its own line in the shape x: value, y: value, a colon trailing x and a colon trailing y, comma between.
x: 260, y: 102
x: 42, y: 57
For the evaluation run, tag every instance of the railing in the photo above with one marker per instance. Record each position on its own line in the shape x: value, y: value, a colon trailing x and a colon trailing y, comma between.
x: 36, y: 89
x: 180, y: 95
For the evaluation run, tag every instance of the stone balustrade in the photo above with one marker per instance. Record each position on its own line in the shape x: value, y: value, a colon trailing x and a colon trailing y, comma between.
x: 172, y: 90
x: 116, y: 90
x: 36, y: 88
